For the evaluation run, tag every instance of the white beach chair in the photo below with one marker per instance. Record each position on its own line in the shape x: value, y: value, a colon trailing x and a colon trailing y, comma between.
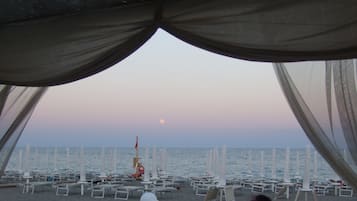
x: 97, y: 191
x: 202, y: 189
x: 280, y: 191
x: 261, y: 187
x: 211, y: 195
x: 62, y: 189
x: 26, y: 187
x: 322, y: 189
x: 40, y: 184
x: 121, y: 193
x: 160, y: 190
x: 229, y: 193
x: 345, y: 191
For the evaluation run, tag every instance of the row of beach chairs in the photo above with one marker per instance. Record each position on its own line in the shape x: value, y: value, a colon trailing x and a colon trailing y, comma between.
x: 202, y: 185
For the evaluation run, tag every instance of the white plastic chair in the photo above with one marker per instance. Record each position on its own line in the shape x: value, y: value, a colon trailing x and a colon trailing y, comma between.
x: 345, y: 191
x: 97, y: 191
x: 212, y: 194
x: 229, y: 193
x: 121, y: 194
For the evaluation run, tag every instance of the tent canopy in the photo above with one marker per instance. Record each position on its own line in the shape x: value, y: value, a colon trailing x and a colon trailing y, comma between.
x: 53, y: 42
x: 46, y: 43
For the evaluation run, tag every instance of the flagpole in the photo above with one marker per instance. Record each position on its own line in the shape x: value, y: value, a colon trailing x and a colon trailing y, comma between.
x: 136, y: 147
x: 136, y: 158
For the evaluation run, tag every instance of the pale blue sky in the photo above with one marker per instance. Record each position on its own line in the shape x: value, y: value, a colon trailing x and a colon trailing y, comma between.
x: 205, y: 99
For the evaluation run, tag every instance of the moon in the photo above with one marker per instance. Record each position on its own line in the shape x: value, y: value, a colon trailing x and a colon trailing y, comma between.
x: 162, y: 121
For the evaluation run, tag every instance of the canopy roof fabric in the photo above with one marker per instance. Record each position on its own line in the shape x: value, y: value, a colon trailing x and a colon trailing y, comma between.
x: 45, y: 43
x: 53, y: 42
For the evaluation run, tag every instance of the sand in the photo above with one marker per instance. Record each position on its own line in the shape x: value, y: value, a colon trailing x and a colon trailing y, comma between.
x: 185, y: 193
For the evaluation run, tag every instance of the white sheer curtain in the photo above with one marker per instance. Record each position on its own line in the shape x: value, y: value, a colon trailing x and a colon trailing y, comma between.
x: 323, y: 97
x: 17, y: 105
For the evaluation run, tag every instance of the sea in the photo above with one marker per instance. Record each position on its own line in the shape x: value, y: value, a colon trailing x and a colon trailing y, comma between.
x: 185, y: 162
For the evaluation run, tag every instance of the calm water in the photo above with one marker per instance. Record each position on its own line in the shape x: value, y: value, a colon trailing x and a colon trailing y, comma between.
x: 180, y: 161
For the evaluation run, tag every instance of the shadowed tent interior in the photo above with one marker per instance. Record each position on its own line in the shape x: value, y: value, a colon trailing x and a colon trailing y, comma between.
x: 46, y: 43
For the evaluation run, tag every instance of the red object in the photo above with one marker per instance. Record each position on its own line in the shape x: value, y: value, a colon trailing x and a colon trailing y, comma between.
x: 141, y: 170
x: 136, y: 144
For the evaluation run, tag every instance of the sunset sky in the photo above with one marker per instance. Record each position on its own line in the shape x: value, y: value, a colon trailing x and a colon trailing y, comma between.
x: 169, y: 94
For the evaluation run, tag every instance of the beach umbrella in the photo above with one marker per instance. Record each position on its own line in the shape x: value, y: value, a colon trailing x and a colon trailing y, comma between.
x: 297, y: 173
x: 262, y: 164
x: 47, y: 160
x: 146, y: 160
x: 82, y: 172
x: 209, y: 162
x: 215, y: 162
x: 213, y: 165
x: 27, y: 175
x: 154, y: 164
x: 102, y: 164
x: 27, y: 161
x: 306, y: 181
x: 163, y: 160
x: 36, y: 159
x: 67, y: 158
x: 20, y: 168
x: 273, y: 165
x: 55, y: 159
x: 249, y: 163
x: 222, y: 175
x: 315, y: 166
x: 114, y: 161
x: 286, y: 169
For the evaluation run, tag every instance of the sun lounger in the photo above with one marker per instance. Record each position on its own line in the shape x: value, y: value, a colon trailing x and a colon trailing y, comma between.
x: 32, y: 186
x: 98, y: 191
x: 211, y: 195
x: 321, y: 190
x: 284, y: 189
x: 345, y: 191
x: 62, y: 189
x: 202, y: 189
x: 40, y: 184
x: 229, y: 193
x: 262, y: 187
x: 123, y: 192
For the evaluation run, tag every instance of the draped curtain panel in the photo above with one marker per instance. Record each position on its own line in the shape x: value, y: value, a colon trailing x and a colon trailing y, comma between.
x: 323, y: 97
x: 53, y: 42
x: 16, y: 106
x: 48, y: 50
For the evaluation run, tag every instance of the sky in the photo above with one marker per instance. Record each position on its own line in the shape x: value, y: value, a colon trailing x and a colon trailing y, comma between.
x: 170, y: 94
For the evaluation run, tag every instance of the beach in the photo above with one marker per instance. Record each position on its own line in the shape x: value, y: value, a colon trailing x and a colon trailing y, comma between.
x: 185, y: 193
x: 184, y: 170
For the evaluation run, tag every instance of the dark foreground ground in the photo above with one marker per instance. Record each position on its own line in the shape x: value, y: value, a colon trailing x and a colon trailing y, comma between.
x: 185, y: 193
